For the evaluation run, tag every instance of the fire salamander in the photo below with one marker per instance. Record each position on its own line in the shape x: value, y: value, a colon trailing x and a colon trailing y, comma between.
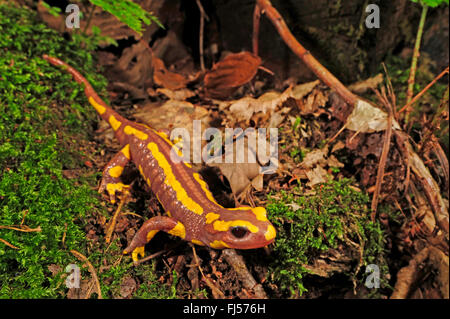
x: 193, y: 213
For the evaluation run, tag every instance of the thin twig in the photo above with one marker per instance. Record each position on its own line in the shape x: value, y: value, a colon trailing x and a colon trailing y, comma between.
x: 242, y: 272
x: 81, y: 257
x: 217, y: 293
x: 8, y: 244
x: 384, y: 152
x: 256, y: 20
x: 203, y: 16
x: 88, y: 22
x: 22, y: 228
x: 112, y: 224
x: 423, y: 91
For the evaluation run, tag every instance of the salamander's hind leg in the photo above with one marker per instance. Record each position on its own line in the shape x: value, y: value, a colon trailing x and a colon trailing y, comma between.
x: 111, y: 181
x: 149, y: 230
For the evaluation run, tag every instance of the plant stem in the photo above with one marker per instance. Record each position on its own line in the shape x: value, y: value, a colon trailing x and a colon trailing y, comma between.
x: 416, y: 53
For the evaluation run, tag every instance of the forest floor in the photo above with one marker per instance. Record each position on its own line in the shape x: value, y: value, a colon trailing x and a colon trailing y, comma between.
x: 342, y: 232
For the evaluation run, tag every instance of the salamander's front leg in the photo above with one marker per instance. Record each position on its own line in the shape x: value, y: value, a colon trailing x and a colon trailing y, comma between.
x: 149, y: 230
x: 111, y: 174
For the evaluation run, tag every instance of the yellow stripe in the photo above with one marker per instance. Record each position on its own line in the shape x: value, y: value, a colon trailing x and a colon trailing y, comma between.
x: 204, y: 187
x: 115, y: 171
x: 129, y: 130
x: 260, y: 213
x: 165, y: 137
x: 270, y: 233
x: 218, y: 244
x: 178, y: 230
x: 151, y: 234
x: 115, y: 124
x: 197, y: 242
x: 100, y: 108
x: 210, y: 217
x: 112, y: 188
x: 221, y: 225
x: 126, y: 151
x: 170, y: 179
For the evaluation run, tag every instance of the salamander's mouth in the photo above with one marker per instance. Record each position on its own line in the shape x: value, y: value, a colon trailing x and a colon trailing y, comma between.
x: 250, y: 244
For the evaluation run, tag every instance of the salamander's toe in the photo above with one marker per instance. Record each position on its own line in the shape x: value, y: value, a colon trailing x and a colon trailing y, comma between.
x: 114, y: 189
x: 139, y: 251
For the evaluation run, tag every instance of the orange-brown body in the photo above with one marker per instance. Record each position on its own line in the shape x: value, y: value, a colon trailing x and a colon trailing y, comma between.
x: 193, y: 213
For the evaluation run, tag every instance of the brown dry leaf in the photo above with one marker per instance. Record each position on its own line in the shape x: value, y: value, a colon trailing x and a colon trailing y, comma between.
x: 366, y: 85
x: 338, y: 146
x: 239, y: 175
x: 313, y: 158
x: 334, y: 162
x: 232, y: 72
x: 165, y: 78
x: 301, y: 90
x: 242, y: 175
x: 172, y: 114
x: 312, y: 103
x: 132, y: 72
x: 178, y: 95
x: 127, y: 287
x: 316, y: 176
x: 408, y: 278
x: 243, y: 109
x: 368, y: 119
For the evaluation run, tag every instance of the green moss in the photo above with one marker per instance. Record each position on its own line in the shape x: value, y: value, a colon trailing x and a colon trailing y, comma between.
x: 310, y: 224
x: 40, y: 113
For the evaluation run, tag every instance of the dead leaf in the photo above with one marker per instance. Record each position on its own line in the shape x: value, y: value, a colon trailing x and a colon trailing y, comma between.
x: 338, y: 146
x: 313, y: 158
x: 366, y: 85
x: 368, y: 119
x: 132, y: 72
x: 171, y: 114
x: 232, y: 72
x: 243, y: 109
x: 250, y: 172
x: 178, y: 95
x: 334, y: 162
x: 301, y: 90
x: 316, y: 176
x: 165, y: 78
x: 127, y: 287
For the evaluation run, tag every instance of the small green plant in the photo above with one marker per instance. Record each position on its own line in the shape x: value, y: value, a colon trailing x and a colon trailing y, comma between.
x: 412, y: 73
x: 309, y: 225
x: 128, y: 12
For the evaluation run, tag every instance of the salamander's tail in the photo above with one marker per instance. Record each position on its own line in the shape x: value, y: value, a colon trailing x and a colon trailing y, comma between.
x: 105, y: 111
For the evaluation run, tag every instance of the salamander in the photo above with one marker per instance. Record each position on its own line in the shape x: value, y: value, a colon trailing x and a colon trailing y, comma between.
x: 193, y: 214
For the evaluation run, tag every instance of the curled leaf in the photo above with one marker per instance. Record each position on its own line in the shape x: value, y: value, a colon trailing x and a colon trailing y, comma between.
x: 232, y: 72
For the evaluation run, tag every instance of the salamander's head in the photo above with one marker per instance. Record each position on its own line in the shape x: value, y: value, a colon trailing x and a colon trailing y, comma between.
x: 239, y: 228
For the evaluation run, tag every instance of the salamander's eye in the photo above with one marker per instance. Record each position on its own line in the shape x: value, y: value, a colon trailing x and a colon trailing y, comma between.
x: 239, y: 231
